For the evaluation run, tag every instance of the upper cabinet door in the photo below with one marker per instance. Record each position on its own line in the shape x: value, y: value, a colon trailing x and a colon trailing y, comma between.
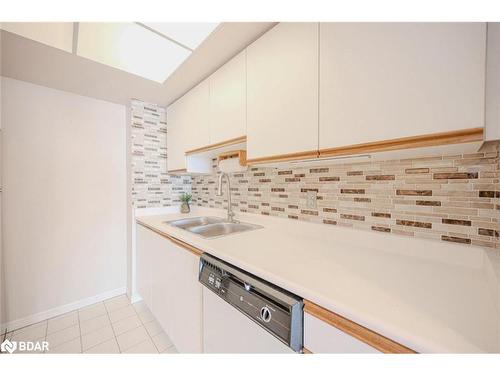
x: 228, y: 100
x: 282, y: 91
x: 381, y: 81
x: 176, y: 136
x: 196, y: 113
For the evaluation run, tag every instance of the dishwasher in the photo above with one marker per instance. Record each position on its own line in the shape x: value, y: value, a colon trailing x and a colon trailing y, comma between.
x: 245, y: 314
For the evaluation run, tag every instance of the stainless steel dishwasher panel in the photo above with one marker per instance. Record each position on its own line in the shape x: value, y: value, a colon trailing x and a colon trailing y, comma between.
x: 243, y: 313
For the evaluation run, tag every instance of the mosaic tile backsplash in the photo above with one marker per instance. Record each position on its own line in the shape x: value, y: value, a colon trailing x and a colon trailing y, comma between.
x: 449, y: 198
x: 151, y: 185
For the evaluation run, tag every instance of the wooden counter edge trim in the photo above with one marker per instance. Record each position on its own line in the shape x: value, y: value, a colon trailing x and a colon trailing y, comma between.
x: 306, y: 351
x: 426, y: 140
x: 363, y: 334
x: 213, y: 146
x: 284, y: 157
x: 186, y: 246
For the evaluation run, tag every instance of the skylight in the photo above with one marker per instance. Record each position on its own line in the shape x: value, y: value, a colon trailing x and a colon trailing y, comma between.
x: 130, y: 47
x: 188, y: 34
x: 150, y: 50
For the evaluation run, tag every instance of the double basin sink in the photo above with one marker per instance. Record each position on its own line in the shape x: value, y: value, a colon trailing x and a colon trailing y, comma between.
x: 211, y: 227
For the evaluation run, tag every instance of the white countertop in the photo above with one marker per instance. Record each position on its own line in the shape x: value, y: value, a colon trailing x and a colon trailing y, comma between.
x: 428, y: 295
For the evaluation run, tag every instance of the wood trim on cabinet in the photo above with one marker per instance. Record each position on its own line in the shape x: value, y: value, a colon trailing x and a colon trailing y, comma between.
x: 306, y: 351
x: 240, y: 154
x: 173, y: 171
x: 426, y: 140
x: 284, y: 157
x: 361, y: 333
x: 184, y: 245
x: 214, y: 146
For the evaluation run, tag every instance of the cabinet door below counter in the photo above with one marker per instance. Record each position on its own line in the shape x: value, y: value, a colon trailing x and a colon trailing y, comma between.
x: 320, y: 337
x: 175, y: 290
x: 177, y: 296
x: 145, y: 244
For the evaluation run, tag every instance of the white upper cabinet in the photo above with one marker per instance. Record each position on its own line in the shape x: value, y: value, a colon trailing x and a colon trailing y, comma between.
x: 176, y: 135
x: 282, y: 91
x: 187, y: 126
x: 228, y: 101
x: 196, y: 114
x: 381, y: 81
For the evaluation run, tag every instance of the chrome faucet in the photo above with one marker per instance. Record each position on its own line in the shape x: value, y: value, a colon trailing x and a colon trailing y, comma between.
x: 230, y: 213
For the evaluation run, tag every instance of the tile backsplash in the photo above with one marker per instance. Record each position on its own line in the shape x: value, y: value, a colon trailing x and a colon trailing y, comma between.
x: 151, y: 185
x: 449, y: 198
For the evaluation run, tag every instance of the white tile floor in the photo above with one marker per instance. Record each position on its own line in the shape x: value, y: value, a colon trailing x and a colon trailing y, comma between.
x: 112, y: 326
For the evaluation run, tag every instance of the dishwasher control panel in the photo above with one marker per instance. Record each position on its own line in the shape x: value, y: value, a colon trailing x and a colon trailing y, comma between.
x: 276, y: 310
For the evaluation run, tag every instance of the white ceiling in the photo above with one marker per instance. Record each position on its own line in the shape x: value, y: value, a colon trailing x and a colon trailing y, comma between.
x: 55, y: 34
x: 25, y: 59
x: 149, y: 50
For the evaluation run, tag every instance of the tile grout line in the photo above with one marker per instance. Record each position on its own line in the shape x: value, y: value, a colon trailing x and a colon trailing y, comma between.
x: 60, y: 330
x: 111, y: 323
x: 95, y: 330
x: 47, y: 320
x: 29, y: 325
x: 46, y: 332
x: 162, y: 331
x: 150, y: 337
x: 80, y: 328
x: 60, y: 315
x: 115, y: 336
x: 143, y: 326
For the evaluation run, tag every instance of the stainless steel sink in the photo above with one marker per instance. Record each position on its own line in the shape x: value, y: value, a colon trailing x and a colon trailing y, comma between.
x: 210, y: 226
x: 195, y: 221
x: 222, y: 229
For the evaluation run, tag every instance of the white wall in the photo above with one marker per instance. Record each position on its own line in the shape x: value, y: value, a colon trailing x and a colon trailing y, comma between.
x: 493, y: 82
x: 64, y: 200
x: 2, y: 304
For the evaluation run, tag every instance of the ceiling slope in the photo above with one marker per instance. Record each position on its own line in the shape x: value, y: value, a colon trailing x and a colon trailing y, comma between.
x: 30, y: 61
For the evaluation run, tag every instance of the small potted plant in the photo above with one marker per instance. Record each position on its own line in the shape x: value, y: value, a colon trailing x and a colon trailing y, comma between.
x: 185, y: 199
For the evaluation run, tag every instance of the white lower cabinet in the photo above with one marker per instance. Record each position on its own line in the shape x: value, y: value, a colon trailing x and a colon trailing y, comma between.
x: 196, y: 320
x: 145, y: 242
x: 320, y: 337
x: 176, y: 300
